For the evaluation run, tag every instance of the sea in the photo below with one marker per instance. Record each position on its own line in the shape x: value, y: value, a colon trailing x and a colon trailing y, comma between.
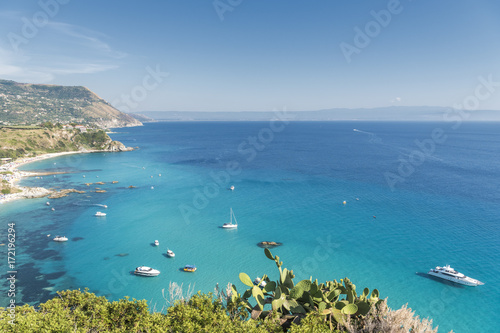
x: 378, y: 202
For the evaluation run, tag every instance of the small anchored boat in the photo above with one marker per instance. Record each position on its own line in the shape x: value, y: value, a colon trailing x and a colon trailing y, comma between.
x: 146, y: 271
x: 60, y: 239
x: 170, y: 253
x: 190, y: 268
x: 157, y: 243
x: 100, y: 214
x: 230, y: 224
x: 259, y: 282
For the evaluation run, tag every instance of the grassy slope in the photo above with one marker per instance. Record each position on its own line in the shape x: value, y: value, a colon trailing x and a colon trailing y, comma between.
x: 15, y: 143
x: 27, y: 103
x: 36, y: 141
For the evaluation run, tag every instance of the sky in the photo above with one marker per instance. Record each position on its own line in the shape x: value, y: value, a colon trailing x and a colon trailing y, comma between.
x: 258, y: 55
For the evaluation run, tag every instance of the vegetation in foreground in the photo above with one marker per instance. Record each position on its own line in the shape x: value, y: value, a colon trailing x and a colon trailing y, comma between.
x: 76, y: 311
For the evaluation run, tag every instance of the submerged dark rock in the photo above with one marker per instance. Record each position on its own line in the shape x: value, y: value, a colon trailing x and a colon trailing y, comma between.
x: 269, y: 245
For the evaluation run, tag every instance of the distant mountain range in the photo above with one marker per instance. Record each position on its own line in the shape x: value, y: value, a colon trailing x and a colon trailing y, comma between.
x: 394, y: 113
x: 142, y: 118
x: 25, y: 104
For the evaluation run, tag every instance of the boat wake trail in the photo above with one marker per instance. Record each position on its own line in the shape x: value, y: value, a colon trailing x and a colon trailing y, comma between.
x: 403, y: 152
x: 373, y: 137
x: 89, y: 204
x: 357, y: 130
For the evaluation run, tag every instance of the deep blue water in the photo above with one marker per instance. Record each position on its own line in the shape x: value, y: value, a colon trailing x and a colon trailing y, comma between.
x: 417, y: 195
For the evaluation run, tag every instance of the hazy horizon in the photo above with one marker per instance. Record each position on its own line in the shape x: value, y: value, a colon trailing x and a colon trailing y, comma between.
x: 341, y: 114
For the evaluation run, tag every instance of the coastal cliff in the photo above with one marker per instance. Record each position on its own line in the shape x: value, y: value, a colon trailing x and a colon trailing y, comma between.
x: 18, y: 142
x: 19, y: 145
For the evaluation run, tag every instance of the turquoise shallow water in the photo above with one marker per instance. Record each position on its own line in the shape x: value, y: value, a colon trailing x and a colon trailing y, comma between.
x: 290, y: 186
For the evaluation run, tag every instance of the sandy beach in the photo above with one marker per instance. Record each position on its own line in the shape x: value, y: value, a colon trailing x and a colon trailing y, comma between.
x: 16, y: 175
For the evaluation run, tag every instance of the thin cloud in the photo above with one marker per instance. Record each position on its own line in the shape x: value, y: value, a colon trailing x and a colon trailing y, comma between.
x: 26, y: 69
x: 62, y: 49
x: 19, y: 74
x: 82, y: 69
x: 86, y: 38
x: 12, y: 68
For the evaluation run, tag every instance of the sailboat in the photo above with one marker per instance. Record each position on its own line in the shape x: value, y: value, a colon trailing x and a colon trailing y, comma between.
x: 230, y: 224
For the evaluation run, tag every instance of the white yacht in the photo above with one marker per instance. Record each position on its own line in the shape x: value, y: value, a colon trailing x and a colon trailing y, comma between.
x: 259, y: 282
x: 170, y: 253
x: 448, y: 273
x: 146, y: 271
x: 60, y: 239
x: 157, y: 243
x: 100, y: 214
x: 230, y: 224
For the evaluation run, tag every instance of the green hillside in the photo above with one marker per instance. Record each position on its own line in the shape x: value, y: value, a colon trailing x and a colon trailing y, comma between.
x: 18, y: 141
x: 25, y: 104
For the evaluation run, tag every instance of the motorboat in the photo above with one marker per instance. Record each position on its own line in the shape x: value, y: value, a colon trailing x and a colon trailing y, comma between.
x: 146, y: 271
x: 47, y: 203
x: 190, y: 268
x: 231, y: 187
x: 60, y: 239
x: 157, y: 243
x: 450, y: 274
x: 170, y: 253
x: 100, y: 214
x: 259, y: 282
x: 230, y: 224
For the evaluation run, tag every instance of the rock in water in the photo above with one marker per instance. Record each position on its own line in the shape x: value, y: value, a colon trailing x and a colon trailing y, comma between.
x: 267, y: 244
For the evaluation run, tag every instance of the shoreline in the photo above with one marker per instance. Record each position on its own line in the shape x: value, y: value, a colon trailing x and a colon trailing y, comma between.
x: 16, y: 176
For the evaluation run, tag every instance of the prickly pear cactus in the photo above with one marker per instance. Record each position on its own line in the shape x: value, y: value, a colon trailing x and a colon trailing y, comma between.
x: 335, y: 301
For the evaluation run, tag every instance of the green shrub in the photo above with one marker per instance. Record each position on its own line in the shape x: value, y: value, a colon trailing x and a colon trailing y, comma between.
x: 204, y: 314
x: 76, y: 311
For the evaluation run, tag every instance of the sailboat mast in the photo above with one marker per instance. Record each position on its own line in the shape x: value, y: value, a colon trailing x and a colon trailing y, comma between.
x: 232, y: 215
